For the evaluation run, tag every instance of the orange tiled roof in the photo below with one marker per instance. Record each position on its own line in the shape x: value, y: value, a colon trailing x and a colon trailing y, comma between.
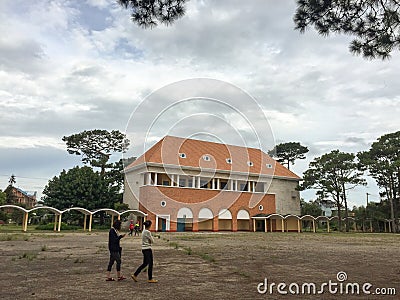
x: 167, y: 151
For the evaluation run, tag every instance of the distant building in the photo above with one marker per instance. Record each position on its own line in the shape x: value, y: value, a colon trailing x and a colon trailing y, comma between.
x: 193, y: 185
x: 327, y: 207
x: 16, y: 196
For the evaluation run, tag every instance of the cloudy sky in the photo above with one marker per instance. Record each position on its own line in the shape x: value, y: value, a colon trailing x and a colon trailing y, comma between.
x: 69, y: 66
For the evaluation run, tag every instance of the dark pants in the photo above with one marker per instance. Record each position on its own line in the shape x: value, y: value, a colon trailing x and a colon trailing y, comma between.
x: 147, y: 261
x: 114, y: 257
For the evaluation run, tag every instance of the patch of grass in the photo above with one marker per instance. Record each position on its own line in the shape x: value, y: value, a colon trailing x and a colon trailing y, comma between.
x: 100, y: 249
x: 14, y: 237
x: 188, y: 250
x: 47, y: 236
x: 194, y: 237
x: 206, y: 257
x: 64, y: 226
x: 174, y: 245
x: 10, y: 227
x: 243, y: 274
x: 28, y: 255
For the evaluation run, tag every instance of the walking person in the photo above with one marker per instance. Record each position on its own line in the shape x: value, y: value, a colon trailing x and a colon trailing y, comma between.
x: 137, y: 228
x: 131, y: 226
x: 147, y: 241
x: 115, y: 250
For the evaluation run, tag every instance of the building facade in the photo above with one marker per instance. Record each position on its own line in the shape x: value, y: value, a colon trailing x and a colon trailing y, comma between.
x: 19, y: 197
x: 193, y: 185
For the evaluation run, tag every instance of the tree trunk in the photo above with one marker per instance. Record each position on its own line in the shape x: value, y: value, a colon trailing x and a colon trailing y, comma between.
x: 346, y: 212
x: 339, y: 206
x: 392, y: 200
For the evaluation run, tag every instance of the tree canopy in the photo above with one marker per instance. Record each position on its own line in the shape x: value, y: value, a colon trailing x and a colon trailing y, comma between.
x: 79, y: 187
x: 2, y: 197
x: 374, y: 24
x: 150, y: 13
x: 12, y: 180
x: 96, y: 146
x: 332, y: 175
x: 287, y: 153
x: 311, y: 208
x: 383, y: 163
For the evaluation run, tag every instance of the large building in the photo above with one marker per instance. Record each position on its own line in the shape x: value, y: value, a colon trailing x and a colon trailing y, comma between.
x: 193, y: 185
x: 19, y: 197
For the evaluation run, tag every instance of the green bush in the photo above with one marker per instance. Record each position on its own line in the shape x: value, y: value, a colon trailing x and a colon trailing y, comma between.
x: 101, y: 227
x: 64, y: 226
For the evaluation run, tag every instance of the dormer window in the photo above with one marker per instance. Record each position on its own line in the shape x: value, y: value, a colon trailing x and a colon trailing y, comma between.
x: 182, y: 155
x: 250, y: 163
x: 229, y: 160
x: 206, y: 157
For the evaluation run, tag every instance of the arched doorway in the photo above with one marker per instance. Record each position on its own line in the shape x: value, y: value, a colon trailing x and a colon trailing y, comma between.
x: 243, y: 220
x: 205, y: 219
x: 224, y: 219
x: 184, y: 219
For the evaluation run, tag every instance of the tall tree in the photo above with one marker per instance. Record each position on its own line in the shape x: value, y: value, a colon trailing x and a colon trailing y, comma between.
x: 383, y: 163
x: 150, y: 13
x: 12, y: 180
x: 374, y: 24
x: 333, y: 174
x: 80, y: 187
x: 2, y: 197
x: 96, y: 146
x: 287, y: 153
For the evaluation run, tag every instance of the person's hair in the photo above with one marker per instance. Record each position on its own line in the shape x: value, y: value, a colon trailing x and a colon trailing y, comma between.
x: 147, y: 224
x: 117, y: 224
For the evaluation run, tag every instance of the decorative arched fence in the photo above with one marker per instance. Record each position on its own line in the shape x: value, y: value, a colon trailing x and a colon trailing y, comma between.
x: 294, y: 223
x: 58, y: 214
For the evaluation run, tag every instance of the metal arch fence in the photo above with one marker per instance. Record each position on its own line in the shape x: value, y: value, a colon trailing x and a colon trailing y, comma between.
x: 58, y: 214
x: 284, y: 220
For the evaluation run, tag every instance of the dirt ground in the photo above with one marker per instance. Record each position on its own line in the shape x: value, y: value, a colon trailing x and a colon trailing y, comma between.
x: 71, y: 265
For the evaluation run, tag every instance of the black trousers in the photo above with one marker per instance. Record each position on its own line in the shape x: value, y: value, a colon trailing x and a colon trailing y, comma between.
x: 114, y: 256
x: 147, y: 261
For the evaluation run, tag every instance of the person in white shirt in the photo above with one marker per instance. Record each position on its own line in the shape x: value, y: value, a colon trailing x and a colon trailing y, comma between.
x: 147, y: 241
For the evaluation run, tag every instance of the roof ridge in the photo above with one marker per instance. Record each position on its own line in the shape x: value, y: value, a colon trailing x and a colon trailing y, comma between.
x: 203, y: 141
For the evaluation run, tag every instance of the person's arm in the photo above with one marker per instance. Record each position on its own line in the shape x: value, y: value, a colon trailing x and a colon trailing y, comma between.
x: 151, y: 238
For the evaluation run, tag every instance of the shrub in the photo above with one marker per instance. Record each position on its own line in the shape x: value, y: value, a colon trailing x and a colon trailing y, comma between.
x: 64, y: 226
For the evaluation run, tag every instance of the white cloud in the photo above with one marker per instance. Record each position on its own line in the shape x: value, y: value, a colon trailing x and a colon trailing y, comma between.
x: 24, y: 142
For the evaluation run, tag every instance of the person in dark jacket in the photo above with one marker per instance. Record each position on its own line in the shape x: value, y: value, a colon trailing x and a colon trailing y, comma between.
x: 115, y: 250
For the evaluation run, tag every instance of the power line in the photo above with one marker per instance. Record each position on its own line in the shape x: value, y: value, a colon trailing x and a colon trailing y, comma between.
x: 25, y: 177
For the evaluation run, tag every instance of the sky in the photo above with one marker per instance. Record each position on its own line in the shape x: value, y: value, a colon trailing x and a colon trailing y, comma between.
x: 230, y: 71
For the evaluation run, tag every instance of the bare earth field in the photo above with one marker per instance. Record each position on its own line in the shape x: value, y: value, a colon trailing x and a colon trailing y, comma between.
x: 71, y: 265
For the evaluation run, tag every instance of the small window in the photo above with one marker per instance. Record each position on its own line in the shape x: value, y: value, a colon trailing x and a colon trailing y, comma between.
x: 163, y: 203
x: 229, y: 160
x: 250, y: 163
x: 182, y: 155
x: 269, y: 166
x: 206, y: 157
x: 260, y: 207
